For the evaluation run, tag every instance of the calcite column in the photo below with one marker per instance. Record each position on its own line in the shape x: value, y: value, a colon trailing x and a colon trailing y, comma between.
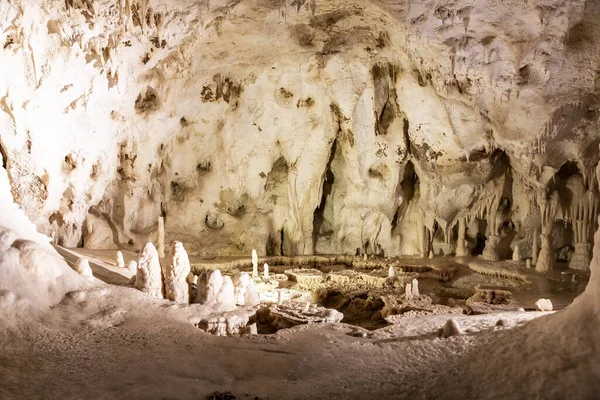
x: 546, y: 257
x: 461, y: 248
x: 490, y: 252
x: 149, y: 276
x: 583, y: 213
x: 176, y: 273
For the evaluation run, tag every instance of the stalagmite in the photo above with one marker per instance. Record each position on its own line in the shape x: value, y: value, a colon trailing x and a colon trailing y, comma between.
x: 120, y: 261
x: 209, y: 284
x: 365, y: 257
x: 430, y: 254
x: 408, y: 294
x: 240, y: 283
x: 528, y: 263
x: 306, y: 307
x: 461, y: 248
x: 583, y: 213
x: 544, y: 305
x: 175, y: 273
x: 415, y: 288
x: 149, y: 276
x: 279, y: 297
x: 161, y: 237
x: 266, y: 271
x: 132, y: 266
x: 516, y: 253
x: 244, y: 290
x: 254, y: 264
x: 82, y: 266
x: 546, y: 258
x: 225, y: 296
x: 391, y: 272
x: 451, y: 328
x: 332, y: 316
x: 252, y: 329
x: 490, y: 252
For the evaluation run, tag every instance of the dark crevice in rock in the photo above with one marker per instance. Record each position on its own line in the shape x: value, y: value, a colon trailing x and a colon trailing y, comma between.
x: 319, y: 218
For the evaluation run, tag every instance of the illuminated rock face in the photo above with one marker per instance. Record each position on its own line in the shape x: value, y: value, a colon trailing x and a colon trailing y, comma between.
x: 368, y: 127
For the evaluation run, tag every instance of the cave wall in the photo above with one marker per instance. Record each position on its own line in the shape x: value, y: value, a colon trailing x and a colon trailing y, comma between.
x: 228, y: 117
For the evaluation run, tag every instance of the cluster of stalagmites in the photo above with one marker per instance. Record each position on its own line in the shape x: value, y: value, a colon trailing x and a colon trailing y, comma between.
x: 174, y: 281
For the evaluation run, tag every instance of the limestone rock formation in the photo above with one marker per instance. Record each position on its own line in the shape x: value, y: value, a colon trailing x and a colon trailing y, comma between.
x: 217, y: 291
x: 120, y: 261
x: 176, y: 273
x: 82, y: 266
x: 543, y: 305
x: 464, y: 114
x: 244, y: 290
x: 149, y: 275
x: 451, y: 328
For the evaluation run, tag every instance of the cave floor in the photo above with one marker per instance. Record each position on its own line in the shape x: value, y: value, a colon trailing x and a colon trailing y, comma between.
x: 560, y: 285
x: 119, y: 343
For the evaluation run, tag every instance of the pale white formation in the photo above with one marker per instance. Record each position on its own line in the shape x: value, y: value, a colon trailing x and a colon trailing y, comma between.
x: 225, y: 297
x: 516, y: 256
x: 120, y: 261
x: 528, y: 263
x: 82, y: 266
x: 252, y: 297
x: 240, y: 283
x: 415, y: 288
x: 245, y: 292
x: 131, y: 266
x: 461, y: 248
x: 149, y: 275
x: 544, y: 305
x: 266, y: 271
x: 431, y: 254
x: 161, y: 237
x: 332, y: 316
x: 216, y: 291
x: 254, y: 263
x: 408, y: 293
x: 306, y: 307
x: 209, y: 285
x: 252, y: 329
x: 391, y: 272
x: 365, y: 257
x: 451, y: 328
x: 229, y: 324
x: 176, y: 273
